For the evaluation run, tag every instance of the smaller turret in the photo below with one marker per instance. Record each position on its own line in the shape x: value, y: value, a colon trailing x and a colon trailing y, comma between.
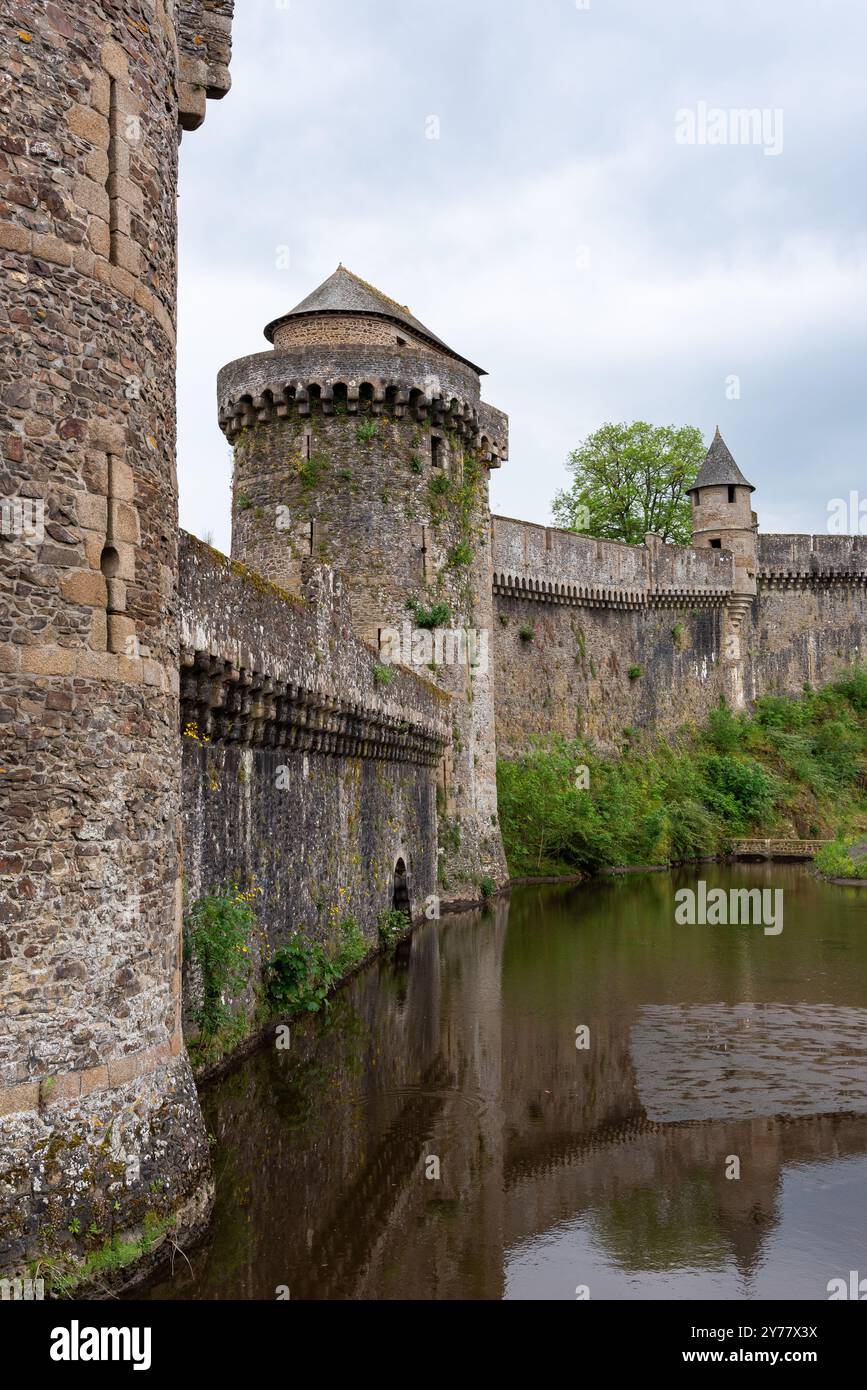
x: 722, y: 513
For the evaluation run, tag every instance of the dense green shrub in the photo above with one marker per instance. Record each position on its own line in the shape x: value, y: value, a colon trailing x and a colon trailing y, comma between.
x: 796, y: 767
x: 437, y: 615
x: 217, y: 931
x: 302, y: 972
x: 299, y: 976
x: 391, y: 924
x: 853, y: 687
x: 835, y: 861
x: 740, y: 791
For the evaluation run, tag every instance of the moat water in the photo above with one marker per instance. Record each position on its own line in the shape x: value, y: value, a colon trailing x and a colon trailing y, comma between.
x: 437, y: 1134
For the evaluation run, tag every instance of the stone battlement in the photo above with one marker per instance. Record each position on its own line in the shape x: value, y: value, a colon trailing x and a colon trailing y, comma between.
x: 261, y: 668
x: 418, y: 384
x: 547, y: 565
x: 801, y: 561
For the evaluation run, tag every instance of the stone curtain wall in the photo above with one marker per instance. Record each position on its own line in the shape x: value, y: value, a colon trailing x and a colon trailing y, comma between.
x: 576, y: 615
x: 592, y: 637
x: 572, y: 675
x: 810, y: 617
x: 564, y: 566
x: 99, y: 1122
x: 301, y: 773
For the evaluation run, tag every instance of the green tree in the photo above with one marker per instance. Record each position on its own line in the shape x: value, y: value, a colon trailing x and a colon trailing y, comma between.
x: 630, y: 479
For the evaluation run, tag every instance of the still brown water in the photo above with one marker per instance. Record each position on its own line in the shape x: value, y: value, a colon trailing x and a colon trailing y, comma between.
x: 561, y: 1167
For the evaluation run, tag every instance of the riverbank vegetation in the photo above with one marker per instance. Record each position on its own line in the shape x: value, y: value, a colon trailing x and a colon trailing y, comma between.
x: 794, y: 767
x: 843, y: 858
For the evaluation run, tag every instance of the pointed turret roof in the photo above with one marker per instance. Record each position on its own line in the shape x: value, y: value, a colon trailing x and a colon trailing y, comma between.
x: 719, y: 468
x: 344, y: 293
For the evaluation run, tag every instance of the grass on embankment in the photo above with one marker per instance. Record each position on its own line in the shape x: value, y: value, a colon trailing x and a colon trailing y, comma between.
x: 795, y: 767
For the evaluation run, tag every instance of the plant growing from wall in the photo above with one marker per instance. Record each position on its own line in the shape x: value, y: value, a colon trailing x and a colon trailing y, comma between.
x: 526, y: 632
x: 383, y: 675
x: 460, y: 555
x: 391, y: 925
x: 366, y: 431
x: 302, y: 972
x: 438, y: 489
x: 63, y: 1274
x: 299, y: 976
x: 311, y: 471
x: 217, y: 933
x: 635, y: 673
x: 437, y: 615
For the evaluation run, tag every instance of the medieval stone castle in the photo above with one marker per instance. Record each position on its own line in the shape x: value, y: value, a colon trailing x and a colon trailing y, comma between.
x: 174, y: 718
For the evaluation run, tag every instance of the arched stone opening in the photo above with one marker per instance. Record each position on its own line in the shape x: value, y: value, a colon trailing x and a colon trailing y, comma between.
x: 400, y: 892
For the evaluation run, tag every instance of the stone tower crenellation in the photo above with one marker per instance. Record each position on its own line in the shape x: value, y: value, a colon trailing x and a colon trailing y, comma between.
x: 361, y: 440
x: 100, y: 1128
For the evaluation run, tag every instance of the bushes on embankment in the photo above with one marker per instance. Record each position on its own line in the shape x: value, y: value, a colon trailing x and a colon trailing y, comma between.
x: 794, y: 767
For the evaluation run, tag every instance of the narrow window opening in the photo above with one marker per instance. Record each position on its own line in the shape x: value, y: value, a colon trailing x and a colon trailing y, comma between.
x: 114, y: 169
x: 401, y: 342
x: 436, y: 451
x: 716, y: 545
x: 731, y: 493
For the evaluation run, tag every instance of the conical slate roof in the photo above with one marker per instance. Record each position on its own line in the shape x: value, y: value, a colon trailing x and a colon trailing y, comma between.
x: 345, y: 293
x: 719, y: 468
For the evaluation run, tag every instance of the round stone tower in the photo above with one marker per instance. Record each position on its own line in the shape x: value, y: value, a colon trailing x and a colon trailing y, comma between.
x: 361, y: 440
x: 101, y: 1137
x: 723, y: 518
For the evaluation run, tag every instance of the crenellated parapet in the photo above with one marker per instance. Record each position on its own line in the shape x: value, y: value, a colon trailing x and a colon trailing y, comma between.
x: 547, y: 565
x: 397, y: 384
x: 263, y: 669
x: 802, y: 562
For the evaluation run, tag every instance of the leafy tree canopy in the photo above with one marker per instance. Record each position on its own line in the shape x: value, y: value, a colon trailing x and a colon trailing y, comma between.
x: 631, y: 479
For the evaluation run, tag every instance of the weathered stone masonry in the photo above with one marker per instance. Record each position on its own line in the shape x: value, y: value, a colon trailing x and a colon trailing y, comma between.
x: 593, y: 637
x: 361, y: 441
x: 301, y: 774
x: 574, y: 616
x: 360, y: 504
x: 99, y: 1121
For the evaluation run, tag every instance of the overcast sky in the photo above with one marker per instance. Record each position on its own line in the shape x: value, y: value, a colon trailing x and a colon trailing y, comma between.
x: 559, y: 231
